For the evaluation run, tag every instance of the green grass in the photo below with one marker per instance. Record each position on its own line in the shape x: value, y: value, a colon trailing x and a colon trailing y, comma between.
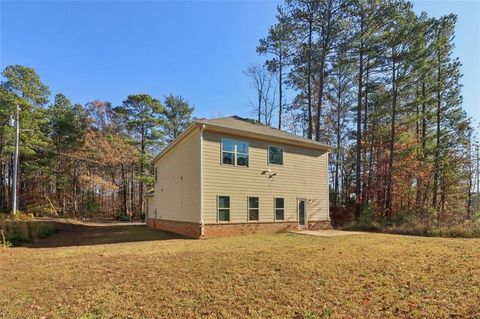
x: 281, y: 276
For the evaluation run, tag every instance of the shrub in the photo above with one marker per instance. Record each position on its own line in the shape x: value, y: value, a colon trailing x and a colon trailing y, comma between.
x: 123, y: 217
x: 340, y: 216
x: 41, y: 210
x: 367, y: 215
x: 469, y: 229
x: 19, y: 231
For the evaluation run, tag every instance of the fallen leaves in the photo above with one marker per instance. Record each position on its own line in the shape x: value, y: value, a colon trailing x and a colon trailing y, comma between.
x: 375, y: 276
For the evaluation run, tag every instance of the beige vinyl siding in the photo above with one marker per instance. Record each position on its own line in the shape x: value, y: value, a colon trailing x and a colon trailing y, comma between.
x: 302, y: 175
x: 177, y: 190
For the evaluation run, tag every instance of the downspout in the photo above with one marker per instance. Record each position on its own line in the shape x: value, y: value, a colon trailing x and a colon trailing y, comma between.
x: 202, y: 222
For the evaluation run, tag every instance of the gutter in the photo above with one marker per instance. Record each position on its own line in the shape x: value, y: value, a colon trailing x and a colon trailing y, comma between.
x: 202, y: 221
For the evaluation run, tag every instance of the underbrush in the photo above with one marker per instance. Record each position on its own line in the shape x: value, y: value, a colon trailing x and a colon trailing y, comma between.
x: 404, y: 223
x: 468, y: 229
x: 22, y: 228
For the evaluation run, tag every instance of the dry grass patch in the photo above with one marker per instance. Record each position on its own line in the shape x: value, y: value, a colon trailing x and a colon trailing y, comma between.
x: 282, y: 276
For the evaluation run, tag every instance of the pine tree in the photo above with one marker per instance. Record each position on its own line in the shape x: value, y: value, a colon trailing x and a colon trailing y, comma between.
x: 143, y: 117
x: 177, y: 114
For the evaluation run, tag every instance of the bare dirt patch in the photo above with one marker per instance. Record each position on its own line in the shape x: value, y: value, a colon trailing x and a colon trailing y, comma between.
x: 281, y: 276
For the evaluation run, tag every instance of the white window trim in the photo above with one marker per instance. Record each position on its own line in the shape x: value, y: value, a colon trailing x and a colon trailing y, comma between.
x: 248, y: 209
x: 229, y: 209
x: 275, y: 209
x: 234, y: 152
x: 268, y: 155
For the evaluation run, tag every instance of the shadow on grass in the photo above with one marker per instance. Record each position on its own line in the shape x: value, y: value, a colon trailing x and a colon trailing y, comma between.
x: 100, y: 234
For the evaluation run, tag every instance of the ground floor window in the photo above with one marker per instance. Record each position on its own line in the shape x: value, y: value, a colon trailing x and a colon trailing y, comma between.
x: 279, y: 208
x: 253, y: 208
x: 223, y: 207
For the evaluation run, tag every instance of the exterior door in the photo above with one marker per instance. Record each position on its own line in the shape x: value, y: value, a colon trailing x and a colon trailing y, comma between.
x: 301, y: 213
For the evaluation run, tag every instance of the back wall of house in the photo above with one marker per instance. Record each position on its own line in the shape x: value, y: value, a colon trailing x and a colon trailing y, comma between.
x: 302, y: 175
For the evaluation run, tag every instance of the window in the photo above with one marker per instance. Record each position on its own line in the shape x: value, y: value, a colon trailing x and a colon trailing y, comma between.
x: 279, y: 209
x: 223, y: 208
x: 242, y: 153
x: 234, y: 152
x: 253, y: 208
x: 156, y: 174
x: 228, y: 151
x: 275, y: 155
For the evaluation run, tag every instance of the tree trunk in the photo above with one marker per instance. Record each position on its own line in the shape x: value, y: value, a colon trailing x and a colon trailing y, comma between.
x: 280, y: 91
x: 320, y: 98
x: 309, y: 79
x: 259, y: 93
x: 132, y: 189
x: 337, y: 155
x: 75, y: 189
x: 358, y: 175
x: 124, y: 190
x: 470, y: 180
x: 370, y: 161
x: 142, y: 172
x: 2, y: 179
x: 436, y: 169
x: 392, y: 141
x: 365, y: 124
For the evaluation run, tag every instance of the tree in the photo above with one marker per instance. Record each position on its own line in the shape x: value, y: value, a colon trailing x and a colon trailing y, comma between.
x: 261, y: 79
x: 177, y: 114
x: 22, y: 86
x: 303, y: 16
x: 66, y: 129
x: 142, y: 116
x: 339, y: 93
x: 26, y: 84
x: 401, y: 40
x: 277, y: 44
x: 446, y: 88
x: 405, y: 138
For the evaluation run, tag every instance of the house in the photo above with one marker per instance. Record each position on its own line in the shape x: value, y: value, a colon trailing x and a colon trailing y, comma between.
x: 230, y: 175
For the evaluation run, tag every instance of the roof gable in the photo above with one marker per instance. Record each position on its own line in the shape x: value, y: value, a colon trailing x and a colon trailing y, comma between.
x: 237, y: 125
x: 251, y: 128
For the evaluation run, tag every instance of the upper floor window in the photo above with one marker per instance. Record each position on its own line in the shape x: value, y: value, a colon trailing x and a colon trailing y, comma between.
x: 275, y: 155
x: 234, y: 152
x: 156, y: 174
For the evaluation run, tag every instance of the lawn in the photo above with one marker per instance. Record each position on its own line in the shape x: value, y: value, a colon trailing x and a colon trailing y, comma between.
x: 148, y: 274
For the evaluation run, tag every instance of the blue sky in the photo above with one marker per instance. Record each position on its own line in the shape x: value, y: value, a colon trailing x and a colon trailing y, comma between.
x: 107, y: 50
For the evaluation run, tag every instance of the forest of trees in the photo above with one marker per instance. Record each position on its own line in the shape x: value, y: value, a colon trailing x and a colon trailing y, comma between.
x: 372, y: 78
x: 78, y: 160
x: 380, y: 84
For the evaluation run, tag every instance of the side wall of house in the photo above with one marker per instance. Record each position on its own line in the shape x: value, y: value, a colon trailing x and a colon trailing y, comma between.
x: 304, y: 174
x: 177, y: 186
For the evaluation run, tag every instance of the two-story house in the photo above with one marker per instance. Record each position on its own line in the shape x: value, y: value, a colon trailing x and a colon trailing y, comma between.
x: 230, y: 176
